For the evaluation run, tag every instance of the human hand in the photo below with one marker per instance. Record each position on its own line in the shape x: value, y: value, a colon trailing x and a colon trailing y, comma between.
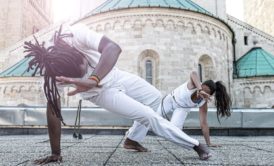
x: 48, y: 159
x: 214, y: 145
x: 81, y: 84
x: 204, y: 95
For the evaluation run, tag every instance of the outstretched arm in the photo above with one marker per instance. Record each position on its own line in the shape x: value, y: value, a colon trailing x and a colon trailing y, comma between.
x: 110, y: 52
x: 204, y: 125
x: 54, y: 130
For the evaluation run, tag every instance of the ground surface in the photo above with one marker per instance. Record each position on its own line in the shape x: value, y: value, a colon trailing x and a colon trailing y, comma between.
x: 107, y: 150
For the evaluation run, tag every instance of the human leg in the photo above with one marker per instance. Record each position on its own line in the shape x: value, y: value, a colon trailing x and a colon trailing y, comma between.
x: 118, y: 102
x: 143, y: 92
x: 178, y: 117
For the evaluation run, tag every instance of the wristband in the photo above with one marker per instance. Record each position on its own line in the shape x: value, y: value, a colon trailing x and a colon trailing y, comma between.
x: 95, y: 78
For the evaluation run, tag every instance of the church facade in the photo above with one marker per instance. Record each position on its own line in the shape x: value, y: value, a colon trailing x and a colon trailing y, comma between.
x: 163, y: 41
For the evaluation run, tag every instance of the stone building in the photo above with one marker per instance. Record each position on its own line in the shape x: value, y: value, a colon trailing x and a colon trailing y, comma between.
x: 19, y: 19
x: 163, y: 41
x: 260, y: 14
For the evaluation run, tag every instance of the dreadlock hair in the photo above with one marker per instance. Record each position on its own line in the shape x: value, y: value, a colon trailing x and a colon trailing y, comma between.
x: 61, y: 59
x: 222, y: 99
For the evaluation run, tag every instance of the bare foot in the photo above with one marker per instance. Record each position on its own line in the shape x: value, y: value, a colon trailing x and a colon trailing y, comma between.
x: 202, y: 151
x: 130, y: 144
x: 49, y: 159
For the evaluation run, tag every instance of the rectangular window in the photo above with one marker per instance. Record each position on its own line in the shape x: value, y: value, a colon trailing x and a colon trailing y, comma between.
x: 246, y: 40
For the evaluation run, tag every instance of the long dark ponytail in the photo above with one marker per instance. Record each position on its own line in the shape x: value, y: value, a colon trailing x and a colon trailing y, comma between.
x: 60, y: 59
x: 222, y: 99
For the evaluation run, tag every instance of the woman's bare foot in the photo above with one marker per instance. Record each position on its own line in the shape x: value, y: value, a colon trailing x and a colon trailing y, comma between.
x: 202, y: 151
x: 130, y: 144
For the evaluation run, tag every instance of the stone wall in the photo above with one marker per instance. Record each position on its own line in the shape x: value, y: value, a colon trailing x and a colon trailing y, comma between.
x: 16, y: 91
x: 41, y: 16
x: 10, y: 28
x: 254, y: 92
x: 19, y: 19
x: 28, y: 91
x: 176, y: 40
x: 260, y: 14
x: 254, y: 37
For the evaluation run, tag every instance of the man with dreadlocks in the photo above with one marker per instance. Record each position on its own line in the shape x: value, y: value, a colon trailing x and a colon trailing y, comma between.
x: 86, y: 59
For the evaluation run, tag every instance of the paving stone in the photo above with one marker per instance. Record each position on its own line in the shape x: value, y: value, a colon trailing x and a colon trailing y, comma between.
x: 137, y: 157
x: 107, y: 150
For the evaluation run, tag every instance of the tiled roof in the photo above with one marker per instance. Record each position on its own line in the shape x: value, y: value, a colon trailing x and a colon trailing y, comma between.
x: 256, y: 62
x: 18, y: 70
x: 110, y: 5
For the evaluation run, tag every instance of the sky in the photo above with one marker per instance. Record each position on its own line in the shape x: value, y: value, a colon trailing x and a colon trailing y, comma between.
x: 235, y: 8
x: 69, y: 9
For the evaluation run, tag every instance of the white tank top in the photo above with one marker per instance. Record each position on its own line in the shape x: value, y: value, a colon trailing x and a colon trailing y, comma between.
x: 182, y: 97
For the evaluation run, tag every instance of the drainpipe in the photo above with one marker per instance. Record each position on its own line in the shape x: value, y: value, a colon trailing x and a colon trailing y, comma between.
x: 235, y: 70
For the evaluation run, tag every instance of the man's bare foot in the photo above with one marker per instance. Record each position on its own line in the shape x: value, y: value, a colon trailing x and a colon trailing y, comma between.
x: 202, y: 151
x: 130, y: 144
x: 49, y: 159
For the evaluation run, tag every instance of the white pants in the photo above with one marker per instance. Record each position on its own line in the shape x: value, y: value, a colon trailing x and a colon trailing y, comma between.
x: 176, y: 114
x: 167, y: 109
x: 129, y: 96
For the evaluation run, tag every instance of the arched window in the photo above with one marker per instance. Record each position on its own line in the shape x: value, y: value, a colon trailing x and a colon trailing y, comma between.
x: 149, y: 73
x: 206, y: 68
x: 148, y: 66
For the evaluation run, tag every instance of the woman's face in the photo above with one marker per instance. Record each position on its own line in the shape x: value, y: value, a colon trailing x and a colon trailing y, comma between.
x: 206, y: 89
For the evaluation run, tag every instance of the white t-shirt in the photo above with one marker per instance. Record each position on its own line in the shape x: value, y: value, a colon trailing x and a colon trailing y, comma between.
x: 178, y: 100
x: 182, y: 96
x: 87, y: 42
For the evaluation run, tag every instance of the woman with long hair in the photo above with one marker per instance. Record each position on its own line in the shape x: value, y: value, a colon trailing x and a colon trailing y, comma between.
x: 189, y: 95
x: 86, y: 59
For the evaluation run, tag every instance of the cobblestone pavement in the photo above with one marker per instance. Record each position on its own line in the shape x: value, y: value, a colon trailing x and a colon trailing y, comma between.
x: 107, y: 150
